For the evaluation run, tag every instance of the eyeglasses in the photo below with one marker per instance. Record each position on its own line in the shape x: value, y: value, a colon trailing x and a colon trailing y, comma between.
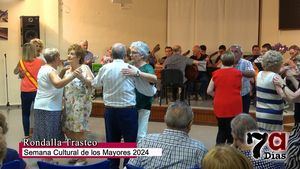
x: 134, y: 53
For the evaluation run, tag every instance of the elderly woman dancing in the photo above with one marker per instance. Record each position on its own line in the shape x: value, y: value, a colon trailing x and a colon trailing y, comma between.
x: 48, y: 101
x: 78, y: 95
x: 225, y: 86
x: 269, y: 102
x: 139, y: 55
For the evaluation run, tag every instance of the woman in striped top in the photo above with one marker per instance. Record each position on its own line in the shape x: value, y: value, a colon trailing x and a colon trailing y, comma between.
x: 269, y: 102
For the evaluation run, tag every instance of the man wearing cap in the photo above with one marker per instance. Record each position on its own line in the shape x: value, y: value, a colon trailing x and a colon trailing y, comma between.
x: 120, y: 114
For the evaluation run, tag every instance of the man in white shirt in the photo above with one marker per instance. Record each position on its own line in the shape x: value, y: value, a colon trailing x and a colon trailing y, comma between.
x: 121, y: 118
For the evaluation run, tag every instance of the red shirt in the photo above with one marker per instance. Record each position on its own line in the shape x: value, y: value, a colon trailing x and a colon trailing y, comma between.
x: 228, y: 85
x: 33, y: 67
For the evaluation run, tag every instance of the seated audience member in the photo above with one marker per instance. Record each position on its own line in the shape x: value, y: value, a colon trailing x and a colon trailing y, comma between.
x: 225, y: 157
x: 269, y: 99
x: 240, y: 126
x: 225, y: 86
x: 11, y: 154
x: 177, y: 61
x: 179, y: 151
x: 89, y: 56
x: 2, y: 149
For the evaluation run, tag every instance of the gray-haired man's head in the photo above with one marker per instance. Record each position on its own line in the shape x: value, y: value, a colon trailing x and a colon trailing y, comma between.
x: 118, y: 51
x: 179, y: 116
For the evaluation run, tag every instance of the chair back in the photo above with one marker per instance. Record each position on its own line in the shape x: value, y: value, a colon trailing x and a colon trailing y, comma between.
x: 16, y: 164
x: 129, y: 166
x: 170, y: 77
x: 100, y: 165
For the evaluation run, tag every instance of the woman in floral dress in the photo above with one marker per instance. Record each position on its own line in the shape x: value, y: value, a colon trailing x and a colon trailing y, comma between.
x: 78, y: 98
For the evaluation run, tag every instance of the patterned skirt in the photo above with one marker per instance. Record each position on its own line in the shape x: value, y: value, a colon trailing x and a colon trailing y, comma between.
x: 47, y: 125
x: 293, y: 151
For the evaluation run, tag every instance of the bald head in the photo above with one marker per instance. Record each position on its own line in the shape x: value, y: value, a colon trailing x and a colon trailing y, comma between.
x: 118, y: 51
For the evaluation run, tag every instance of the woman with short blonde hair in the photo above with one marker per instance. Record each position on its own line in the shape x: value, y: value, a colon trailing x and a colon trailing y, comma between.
x: 225, y: 157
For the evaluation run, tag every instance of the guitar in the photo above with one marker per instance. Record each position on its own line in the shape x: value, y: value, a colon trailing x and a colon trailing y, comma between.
x: 186, y: 53
x: 217, y: 64
x: 191, y: 71
x: 152, y: 60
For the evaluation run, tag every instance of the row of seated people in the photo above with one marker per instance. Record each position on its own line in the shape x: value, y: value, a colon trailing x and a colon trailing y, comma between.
x: 181, y: 151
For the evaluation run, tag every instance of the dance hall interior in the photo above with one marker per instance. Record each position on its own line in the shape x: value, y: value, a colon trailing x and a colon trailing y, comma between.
x: 203, y: 81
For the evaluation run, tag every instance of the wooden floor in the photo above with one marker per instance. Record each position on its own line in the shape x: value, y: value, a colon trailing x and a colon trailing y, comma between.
x: 202, y: 115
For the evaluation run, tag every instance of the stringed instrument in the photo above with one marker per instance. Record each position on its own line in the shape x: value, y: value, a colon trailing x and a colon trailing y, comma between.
x: 191, y: 71
x: 217, y: 64
x: 152, y: 60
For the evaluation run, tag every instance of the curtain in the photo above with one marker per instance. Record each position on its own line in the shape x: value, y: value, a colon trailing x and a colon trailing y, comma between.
x: 213, y: 23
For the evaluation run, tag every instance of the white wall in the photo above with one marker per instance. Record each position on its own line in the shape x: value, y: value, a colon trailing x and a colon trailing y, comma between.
x: 103, y: 23
x: 12, y: 47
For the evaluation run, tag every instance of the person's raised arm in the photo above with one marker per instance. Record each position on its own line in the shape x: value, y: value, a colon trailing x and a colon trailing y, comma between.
x: 60, y: 83
x: 284, y: 91
x: 130, y: 71
x: 89, y: 76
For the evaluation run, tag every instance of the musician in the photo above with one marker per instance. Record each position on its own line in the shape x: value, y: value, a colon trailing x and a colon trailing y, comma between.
x: 247, y: 70
x: 220, y: 52
x: 152, y: 58
x: 177, y: 61
x: 265, y: 47
x: 199, y: 53
x: 294, y: 50
x: 168, y: 52
x: 255, y: 53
